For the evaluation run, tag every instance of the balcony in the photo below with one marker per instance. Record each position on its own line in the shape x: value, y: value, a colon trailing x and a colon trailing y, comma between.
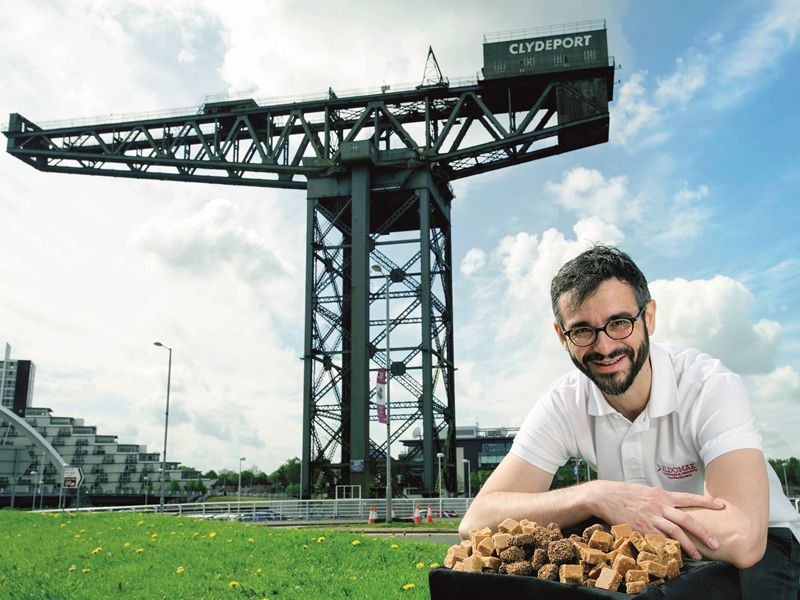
x: 108, y: 460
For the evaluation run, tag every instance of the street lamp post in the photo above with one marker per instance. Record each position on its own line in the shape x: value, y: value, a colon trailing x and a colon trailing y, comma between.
x: 469, y: 480
x: 33, y: 502
x: 41, y: 490
x: 378, y: 269
x: 439, y: 457
x: 239, y: 493
x: 166, y: 426
x: 785, y: 480
x: 146, y: 490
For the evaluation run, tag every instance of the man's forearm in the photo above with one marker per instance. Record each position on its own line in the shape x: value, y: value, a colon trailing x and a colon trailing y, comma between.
x: 565, y: 506
x: 742, y: 537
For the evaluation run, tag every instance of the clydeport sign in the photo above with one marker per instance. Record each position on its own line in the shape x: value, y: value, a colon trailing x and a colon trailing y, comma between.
x: 73, y: 477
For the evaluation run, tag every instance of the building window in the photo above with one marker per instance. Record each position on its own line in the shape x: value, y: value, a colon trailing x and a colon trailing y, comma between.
x: 529, y: 62
x: 590, y: 55
x: 499, y: 66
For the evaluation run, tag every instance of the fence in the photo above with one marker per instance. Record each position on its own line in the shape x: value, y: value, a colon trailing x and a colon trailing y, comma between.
x: 356, y: 510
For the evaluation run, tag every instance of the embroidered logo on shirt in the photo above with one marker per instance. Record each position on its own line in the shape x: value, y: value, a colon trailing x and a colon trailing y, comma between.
x: 681, y: 472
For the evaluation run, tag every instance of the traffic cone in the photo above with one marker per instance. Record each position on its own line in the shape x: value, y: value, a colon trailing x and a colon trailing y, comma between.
x: 417, y: 515
x: 373, y: 515
x: 429, y: 518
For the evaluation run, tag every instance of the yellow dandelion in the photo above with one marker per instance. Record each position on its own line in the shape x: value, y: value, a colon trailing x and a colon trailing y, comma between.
x: 63, y: 525
x: 408, y: 586
x: 86, y: 570
x: 320, y: 539
x: 72, y: 568
x: 97, y: 550
x: 213, y: 534
x: 172, y: 533
x: 434, y: 565
x: 305, y: 546
x: 154, y: 535
x: 420, y: 565
x: 126, y: 545
x: 259, y: 570
x: 356, y: 542
x: 394, y: 546
x: 179, y: 570
x: 138, y: 523
x: 250, y: 540
x: 139, y: 550
x: 233, y: 584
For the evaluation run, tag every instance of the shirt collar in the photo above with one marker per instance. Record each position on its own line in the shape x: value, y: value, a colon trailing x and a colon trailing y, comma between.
x: 663, y: 389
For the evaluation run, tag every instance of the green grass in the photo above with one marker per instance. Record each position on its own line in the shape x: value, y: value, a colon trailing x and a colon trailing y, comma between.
x: 125, y: 555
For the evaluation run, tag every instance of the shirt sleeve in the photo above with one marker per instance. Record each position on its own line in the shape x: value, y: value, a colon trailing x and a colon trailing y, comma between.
x: 724, y: 417
x: 543, y: 438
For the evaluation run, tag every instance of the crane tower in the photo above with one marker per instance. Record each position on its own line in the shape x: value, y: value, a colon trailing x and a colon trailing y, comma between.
x: 376, y: 167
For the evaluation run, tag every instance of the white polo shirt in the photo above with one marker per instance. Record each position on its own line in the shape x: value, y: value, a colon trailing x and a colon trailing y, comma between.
x: 698, y: 410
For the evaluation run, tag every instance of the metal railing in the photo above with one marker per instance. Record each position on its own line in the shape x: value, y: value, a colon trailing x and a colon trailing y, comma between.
x: 352, y: 510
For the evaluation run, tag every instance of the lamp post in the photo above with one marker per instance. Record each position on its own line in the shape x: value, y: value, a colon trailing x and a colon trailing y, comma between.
x: 239, y: 493
x: 785, y: 480
x: 41, y: 490
x: 166, y: 426
x: 439, y: 457
x: 469, y: 480
x: 33, y: 502
x: 146, y: 490
x: 378, y: 269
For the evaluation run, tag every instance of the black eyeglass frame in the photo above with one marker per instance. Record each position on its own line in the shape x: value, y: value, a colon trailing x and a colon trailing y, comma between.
x: 597, y: 330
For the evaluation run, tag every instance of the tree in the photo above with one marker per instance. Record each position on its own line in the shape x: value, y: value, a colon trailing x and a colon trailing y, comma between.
x: 212, y: 474
x: 174, y: 486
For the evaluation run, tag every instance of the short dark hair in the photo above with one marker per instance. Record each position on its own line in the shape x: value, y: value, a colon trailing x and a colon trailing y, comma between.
x: 587, y: 271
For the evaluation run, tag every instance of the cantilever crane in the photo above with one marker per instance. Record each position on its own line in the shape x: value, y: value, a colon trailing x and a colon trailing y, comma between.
x: 376, y: 169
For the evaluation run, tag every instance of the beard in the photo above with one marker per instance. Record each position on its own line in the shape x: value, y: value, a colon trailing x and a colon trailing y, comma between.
x: 611, y: 384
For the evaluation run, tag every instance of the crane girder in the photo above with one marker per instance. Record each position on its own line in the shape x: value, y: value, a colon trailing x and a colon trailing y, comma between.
x: 281, y: 145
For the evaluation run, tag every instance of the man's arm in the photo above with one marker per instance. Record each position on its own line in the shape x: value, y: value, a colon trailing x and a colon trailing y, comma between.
x: 739, y: 478
x: 518, y: 490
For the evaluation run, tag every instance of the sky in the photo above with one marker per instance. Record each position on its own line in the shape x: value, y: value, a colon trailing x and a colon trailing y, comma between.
x: 698, y: 183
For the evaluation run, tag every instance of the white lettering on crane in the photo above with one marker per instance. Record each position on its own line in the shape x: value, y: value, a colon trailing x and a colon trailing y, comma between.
x: 578, y: 41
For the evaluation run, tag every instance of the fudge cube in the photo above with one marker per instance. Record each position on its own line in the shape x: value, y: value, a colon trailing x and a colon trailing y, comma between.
x: 673, y: 569
x: 548, y: 571
x: 571, y: 574
x: 622, y: 564
x: 645, y: 556
x: 641, y: 544
x: 491, y: 563
x: 601, y: 540
x: 637, y: 575
x: 512, y: 554
x: 522, y: 567
x: 486, y: 547
x: 501, y: 541
x: 622, y: 530
x: 587, y: 533
x: 590, y: 582
x: 595, y: 571
x: 477, y: 537
x: 510, y: 526
x: 539, y: 559
x: 609, y: 580
x: 627, y: 548
x: 655, y: 569
x: 560, y: 552
x: 472, y: 564
x: 671, y: 551
x: 455, y: 554
x: 592, y: 556
x: 459, y: 566
x: 655, y: 539
x: 634, y: 587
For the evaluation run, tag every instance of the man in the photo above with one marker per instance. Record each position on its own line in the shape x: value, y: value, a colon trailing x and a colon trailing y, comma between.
x: 669, y: 431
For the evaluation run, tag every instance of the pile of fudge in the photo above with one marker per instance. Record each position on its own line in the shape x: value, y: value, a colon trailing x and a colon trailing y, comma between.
x: 603, y: 557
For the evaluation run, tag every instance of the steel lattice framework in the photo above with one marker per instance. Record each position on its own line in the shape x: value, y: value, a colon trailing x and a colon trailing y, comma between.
x: 376, y: 168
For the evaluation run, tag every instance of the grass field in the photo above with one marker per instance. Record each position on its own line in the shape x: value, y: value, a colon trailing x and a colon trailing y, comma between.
x: 126, y: 555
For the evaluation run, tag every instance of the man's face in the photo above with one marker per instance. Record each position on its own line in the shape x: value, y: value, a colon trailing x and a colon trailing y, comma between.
x: 611, y: 364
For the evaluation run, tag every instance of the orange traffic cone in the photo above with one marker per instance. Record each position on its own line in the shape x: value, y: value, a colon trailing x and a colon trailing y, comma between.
x: 417, y: 515
x: 373, y: 515
x: 429, y: 518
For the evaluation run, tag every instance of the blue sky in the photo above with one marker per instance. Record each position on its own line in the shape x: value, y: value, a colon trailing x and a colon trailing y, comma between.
x: 698, y: 184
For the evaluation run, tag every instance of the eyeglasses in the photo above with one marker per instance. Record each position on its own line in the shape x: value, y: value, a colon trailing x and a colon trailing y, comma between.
x: 616, y: 329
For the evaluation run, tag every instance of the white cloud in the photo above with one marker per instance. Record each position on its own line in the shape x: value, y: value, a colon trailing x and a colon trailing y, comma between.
x: 632, y: 112
x: 685, y: 219
x: 473, y: 261
x: 588, y: 193
x: 681, y: 86
x: 715, y: 316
